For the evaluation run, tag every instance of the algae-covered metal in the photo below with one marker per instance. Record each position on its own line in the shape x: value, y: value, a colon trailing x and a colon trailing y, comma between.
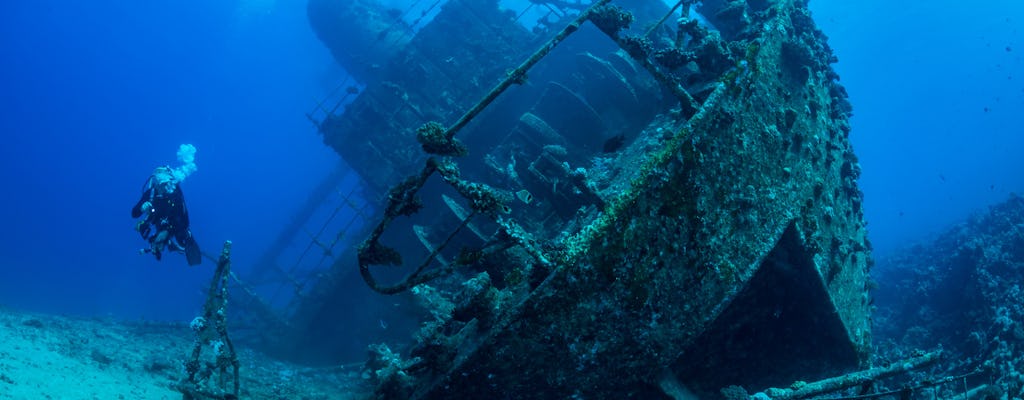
x: 693, y: 219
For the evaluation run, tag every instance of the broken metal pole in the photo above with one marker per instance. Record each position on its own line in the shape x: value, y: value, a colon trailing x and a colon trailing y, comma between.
x: 208, y: 379
x: 686, y: 10
x: 611, y: 20
x: 853, y: 379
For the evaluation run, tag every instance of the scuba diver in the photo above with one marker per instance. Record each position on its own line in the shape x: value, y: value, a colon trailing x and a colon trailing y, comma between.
x: 165, y: 225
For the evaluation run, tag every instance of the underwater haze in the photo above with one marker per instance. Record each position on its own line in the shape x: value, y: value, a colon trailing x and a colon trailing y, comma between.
x: 96, y: 94
x: 938, y: 108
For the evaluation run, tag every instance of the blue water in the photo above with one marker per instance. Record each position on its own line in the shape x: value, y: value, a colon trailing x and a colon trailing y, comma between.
x: 938, y: 95
x: 94, y: 95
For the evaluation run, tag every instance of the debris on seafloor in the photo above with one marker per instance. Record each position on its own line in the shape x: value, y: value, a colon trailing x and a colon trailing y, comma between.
x: 966, y: 298
x: 215, y: 376
x: 45, y: 356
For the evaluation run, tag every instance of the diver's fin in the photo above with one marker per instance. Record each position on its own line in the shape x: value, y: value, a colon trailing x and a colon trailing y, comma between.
x: 192, y: 253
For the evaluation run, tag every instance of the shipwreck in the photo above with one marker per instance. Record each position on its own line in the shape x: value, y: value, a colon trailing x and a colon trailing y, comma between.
x: 606, y: 199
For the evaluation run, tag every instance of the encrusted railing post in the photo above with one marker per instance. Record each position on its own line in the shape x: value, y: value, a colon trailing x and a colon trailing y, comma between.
x: 208, y: 378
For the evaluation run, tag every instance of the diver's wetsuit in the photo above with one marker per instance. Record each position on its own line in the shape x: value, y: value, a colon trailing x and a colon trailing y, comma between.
x: 167, y: 213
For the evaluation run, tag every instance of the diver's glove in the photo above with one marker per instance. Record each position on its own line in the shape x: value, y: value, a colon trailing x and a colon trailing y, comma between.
x: 146, y: 207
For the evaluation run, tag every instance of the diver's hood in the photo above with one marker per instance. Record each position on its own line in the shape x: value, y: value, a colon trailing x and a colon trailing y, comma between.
x: 163, y: 179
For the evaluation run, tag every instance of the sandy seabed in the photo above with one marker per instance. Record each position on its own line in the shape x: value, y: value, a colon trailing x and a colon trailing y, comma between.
x: 69, y: 358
